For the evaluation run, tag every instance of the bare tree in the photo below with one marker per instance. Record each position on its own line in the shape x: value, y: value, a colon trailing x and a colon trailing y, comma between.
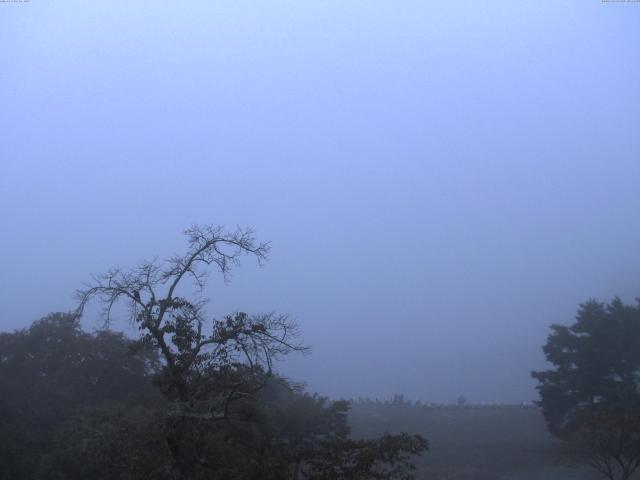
x: 207, y: 365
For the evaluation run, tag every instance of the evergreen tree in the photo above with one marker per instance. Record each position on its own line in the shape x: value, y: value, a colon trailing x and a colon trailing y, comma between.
x: 592, y: 395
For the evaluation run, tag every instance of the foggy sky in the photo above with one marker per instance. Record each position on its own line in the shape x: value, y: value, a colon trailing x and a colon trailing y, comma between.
x: 440, y: 181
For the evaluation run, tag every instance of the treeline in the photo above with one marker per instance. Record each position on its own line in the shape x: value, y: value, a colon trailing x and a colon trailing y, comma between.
x: 78, y: 405
x: 399, y: 400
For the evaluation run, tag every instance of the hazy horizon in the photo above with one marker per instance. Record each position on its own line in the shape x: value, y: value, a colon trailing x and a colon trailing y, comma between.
x: 440, y: 182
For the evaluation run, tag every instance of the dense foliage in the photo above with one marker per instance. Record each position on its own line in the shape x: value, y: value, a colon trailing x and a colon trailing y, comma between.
x: 52, y: 371
x: 591, y: 399
x: 78, y: 405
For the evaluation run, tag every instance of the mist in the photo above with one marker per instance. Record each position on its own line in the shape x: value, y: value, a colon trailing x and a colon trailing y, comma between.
x: 440, y: 182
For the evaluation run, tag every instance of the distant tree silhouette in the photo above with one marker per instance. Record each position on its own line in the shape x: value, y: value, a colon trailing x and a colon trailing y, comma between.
x: 591, y: 399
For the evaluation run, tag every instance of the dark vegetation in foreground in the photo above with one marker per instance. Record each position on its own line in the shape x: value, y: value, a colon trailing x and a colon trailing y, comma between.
x: 77, y: 405
x: 189, y: 399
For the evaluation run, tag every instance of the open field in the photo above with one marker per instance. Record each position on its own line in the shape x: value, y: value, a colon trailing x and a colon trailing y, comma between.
x: 508, y: 443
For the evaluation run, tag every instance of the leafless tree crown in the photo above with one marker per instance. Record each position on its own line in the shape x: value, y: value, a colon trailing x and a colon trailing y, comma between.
x: 176, y: 325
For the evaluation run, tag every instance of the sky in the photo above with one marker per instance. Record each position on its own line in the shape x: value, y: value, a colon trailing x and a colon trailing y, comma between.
x: 440, y: 181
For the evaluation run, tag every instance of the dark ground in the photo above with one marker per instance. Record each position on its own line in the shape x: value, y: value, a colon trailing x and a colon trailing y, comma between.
x: 484, y: 443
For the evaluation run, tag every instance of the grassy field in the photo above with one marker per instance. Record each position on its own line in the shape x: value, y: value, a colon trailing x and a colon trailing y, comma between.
x: 508, y: 443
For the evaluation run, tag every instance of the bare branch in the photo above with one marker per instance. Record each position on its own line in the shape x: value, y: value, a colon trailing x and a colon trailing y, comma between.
x: 205, y: 372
